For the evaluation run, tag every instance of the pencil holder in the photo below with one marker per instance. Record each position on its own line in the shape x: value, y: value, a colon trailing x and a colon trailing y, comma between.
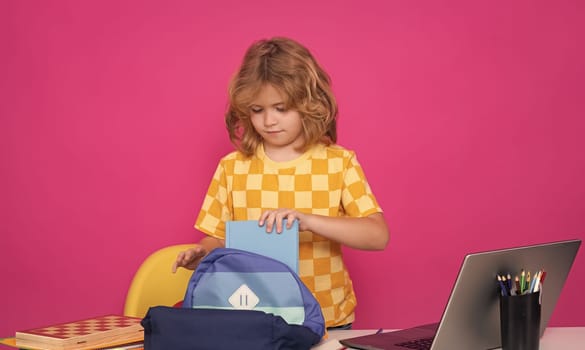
x: 520, y: 321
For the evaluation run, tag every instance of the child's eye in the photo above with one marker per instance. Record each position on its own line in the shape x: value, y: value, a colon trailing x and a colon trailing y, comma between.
x: 256, y: 110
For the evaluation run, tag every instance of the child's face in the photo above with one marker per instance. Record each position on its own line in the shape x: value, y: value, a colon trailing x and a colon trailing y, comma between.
x: 280, y: 128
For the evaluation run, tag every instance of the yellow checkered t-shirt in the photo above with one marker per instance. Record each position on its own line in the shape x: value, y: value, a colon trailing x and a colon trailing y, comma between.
x: 325, y: 180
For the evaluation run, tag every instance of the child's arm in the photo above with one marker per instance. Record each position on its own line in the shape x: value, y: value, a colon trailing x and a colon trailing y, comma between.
x: 191, y: 258
x: 367, y: 233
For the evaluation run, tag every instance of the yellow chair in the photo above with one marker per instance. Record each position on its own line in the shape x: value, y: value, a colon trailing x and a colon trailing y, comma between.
x: 154, y: 284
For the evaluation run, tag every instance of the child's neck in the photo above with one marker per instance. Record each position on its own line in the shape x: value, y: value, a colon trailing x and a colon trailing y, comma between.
x: 282, y: 154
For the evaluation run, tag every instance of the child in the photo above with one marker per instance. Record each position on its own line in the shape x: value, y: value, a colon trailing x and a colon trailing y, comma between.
x: 282, y: 120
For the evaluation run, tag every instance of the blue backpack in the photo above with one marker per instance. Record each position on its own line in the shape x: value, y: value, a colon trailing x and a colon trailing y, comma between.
x: 238, y: 300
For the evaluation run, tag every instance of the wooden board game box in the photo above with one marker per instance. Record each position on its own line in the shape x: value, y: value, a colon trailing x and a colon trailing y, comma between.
x: 93, y: 333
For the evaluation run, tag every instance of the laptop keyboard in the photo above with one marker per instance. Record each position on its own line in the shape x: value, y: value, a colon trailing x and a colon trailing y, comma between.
x: 420, y: 344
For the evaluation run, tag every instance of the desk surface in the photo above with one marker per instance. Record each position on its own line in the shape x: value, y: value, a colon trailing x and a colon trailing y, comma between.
x: 554, y: 338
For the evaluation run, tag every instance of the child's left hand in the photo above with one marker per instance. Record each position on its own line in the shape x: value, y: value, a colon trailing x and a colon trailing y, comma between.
x: 277, y: 216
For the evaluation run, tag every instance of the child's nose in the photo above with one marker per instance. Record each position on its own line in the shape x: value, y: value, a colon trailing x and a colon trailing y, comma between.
x: 269, y: 118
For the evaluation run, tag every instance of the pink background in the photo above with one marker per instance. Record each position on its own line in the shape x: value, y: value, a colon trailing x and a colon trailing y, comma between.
x: 467, y: 116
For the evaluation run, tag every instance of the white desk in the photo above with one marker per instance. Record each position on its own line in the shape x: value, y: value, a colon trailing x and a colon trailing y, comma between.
x: 554, y: 338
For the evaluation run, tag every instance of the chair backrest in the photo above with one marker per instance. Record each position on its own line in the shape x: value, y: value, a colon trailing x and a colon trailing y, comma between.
x: 154, y: 284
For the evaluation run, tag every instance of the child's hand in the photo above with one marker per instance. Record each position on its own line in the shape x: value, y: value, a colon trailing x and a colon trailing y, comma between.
x: 190, y: 258
x: 277, y: 216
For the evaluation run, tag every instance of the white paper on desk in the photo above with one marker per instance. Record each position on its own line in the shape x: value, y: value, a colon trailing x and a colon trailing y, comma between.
x: 331, y: 344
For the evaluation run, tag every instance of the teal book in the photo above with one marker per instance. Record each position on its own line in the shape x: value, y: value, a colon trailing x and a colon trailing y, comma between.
x: 247, y: 235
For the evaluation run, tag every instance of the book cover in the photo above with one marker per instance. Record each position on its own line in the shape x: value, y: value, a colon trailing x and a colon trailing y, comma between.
x: 90, y: 333
x: 247, y: 235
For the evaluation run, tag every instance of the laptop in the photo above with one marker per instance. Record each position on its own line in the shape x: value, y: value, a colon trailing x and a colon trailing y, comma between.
x: 471, y: 319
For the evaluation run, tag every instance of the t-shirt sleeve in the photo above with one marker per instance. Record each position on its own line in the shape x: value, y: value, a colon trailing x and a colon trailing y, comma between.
x: 357, y: 197
x: 215, y: 208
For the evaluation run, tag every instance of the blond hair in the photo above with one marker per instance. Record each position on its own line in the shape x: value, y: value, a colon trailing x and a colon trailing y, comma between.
x: 305, y: 86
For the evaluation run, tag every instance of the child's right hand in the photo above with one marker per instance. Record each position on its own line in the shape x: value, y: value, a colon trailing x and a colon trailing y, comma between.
x: 190, y: 258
